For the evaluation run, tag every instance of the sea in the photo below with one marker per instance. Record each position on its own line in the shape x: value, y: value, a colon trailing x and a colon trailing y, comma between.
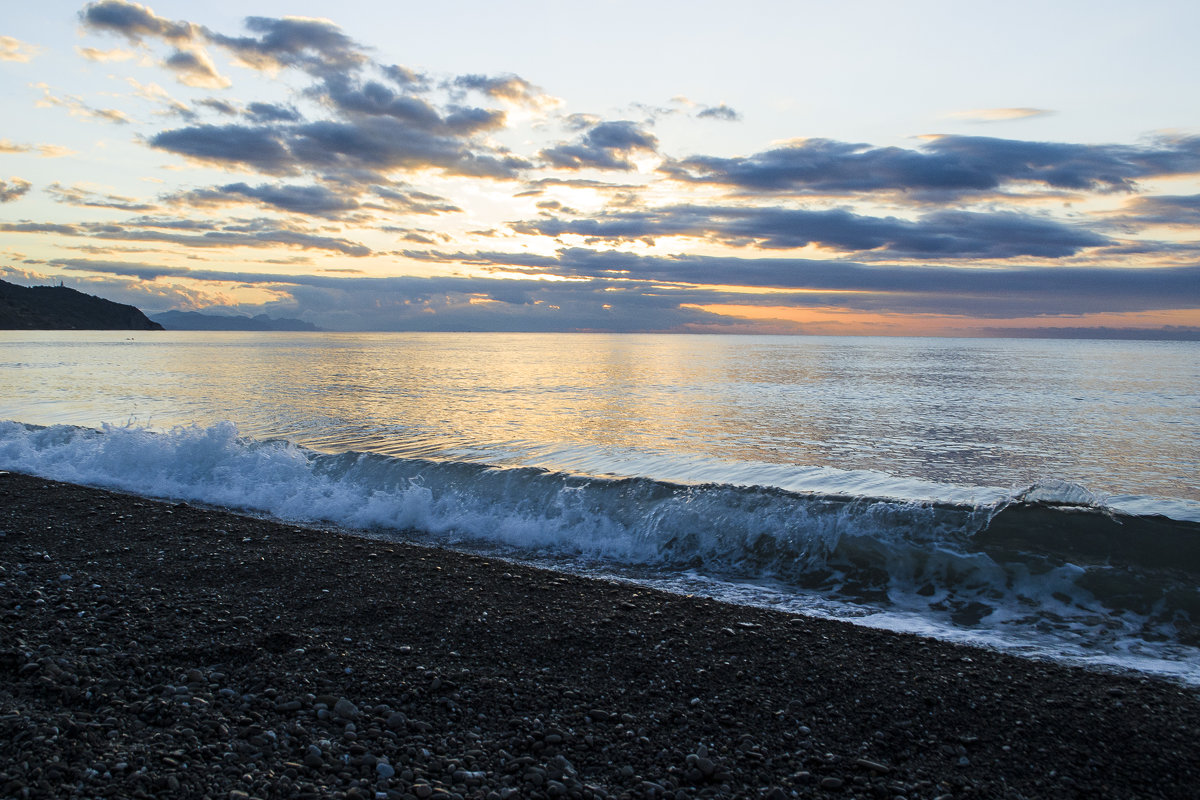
x: 1040, y: 497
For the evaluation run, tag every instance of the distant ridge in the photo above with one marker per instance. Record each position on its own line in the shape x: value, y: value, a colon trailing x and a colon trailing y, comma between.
x: 195, y: 321
x: 60, y: 308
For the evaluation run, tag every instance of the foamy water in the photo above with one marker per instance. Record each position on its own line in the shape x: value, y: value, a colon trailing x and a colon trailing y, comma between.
x: 1036, y: 496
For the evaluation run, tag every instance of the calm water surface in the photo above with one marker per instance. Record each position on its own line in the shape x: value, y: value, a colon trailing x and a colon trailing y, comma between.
x: 1120, y: 418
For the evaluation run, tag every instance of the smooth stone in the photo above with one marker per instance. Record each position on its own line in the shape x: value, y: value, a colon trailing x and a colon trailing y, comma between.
x: 345, y: 709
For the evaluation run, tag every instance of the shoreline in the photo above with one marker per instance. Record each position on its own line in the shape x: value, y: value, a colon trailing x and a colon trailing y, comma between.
x: 197, y: 653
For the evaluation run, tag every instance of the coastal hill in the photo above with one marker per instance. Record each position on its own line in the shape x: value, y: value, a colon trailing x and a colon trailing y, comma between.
x: 61, y: 308
x: 195, y: 321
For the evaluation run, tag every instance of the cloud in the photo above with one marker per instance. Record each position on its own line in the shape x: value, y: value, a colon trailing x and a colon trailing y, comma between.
x: 999, y: 114
x: 317, y: 201
x: 15, y: 50
x: 720, y: 112
x: 379, y: 121
x: 195, y: 68
x: 254, y: 233
x: 604, y: 145
x: 942, y: 234
x: 81, y: 196
x: 626, y: 292
x: 93, y: 54
x: 76, y: 107
x: 260, y: 149
x: 371, y: 147
x: 405, y: 199
x: 949, y: 164
x: 996, y: 292
x: 314, y: 45
x: 13, y: 189
x: 444, y: 303
x: 270, y: 112
x: 1182, y: 211
x: 218, y: 105
x: 40, y: 227
x: 157, y: 94
x: 374, y: 99
x: 404, y: 77
x: 43, y: 150
x: 135, y: 22
x: 510, y: 88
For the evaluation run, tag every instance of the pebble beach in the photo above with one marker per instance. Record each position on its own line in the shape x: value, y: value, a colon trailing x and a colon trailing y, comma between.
x: 158, y: 649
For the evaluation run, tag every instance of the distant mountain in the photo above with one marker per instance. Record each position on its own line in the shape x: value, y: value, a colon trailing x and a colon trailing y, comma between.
x: 59, y: 308
x: 195, y: 321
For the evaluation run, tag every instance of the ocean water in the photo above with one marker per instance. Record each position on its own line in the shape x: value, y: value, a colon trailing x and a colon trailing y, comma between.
x: 1032, y: 495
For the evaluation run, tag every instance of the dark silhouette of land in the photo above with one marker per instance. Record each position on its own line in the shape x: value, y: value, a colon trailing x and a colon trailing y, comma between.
x: 195, y: 321
x: 61, y: 308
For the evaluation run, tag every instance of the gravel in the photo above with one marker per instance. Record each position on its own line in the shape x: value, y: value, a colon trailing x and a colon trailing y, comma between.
x: 152, y: 649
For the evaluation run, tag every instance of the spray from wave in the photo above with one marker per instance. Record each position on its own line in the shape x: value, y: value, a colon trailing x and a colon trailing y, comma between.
x: 1049, y: 570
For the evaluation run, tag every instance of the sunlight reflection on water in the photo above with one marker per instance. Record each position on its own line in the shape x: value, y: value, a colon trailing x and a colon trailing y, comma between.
x: 1118, y: 417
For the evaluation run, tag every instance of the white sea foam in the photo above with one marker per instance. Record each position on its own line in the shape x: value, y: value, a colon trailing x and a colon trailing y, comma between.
x: 902, y: 563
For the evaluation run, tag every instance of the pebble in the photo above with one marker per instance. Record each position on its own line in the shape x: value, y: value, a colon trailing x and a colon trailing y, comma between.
x: 345, y: 709
x: 156, y: 694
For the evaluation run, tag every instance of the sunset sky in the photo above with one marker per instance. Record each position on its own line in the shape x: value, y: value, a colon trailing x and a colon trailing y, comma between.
x: 939, y: 168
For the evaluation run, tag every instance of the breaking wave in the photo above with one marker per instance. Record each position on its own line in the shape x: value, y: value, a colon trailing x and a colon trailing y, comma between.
x: 1050, y: 569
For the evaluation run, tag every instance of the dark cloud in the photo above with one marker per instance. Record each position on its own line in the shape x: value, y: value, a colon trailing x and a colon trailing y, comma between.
x: 943, y: 234
x: 383, y: 144
x: 377, y: 126
x: 405, y: 78
x: 975, y: 291
x: 719, y: 112
x: 12, y: 189
x: 332, y: 201
x: 446, y: 303
x: 255, y: 233
x: 40, y: 227
x: 272, y: 112
x: 652, y: 293
x: 218, y: 105
x: 314, y: 45
x: 195, y: 68
x: 604, y: 145
x: 134, y: 22
x: 258, y: 148
x: 952, y: 164
x: 377, y: 131
x: 412, y: 201
x: 371, y: 98
x: 317, y: 201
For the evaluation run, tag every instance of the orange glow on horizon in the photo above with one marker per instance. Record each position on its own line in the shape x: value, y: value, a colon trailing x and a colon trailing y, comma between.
x: 832, y: 321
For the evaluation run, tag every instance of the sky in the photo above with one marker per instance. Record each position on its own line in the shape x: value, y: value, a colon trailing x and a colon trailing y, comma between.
x: 917, y: 168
